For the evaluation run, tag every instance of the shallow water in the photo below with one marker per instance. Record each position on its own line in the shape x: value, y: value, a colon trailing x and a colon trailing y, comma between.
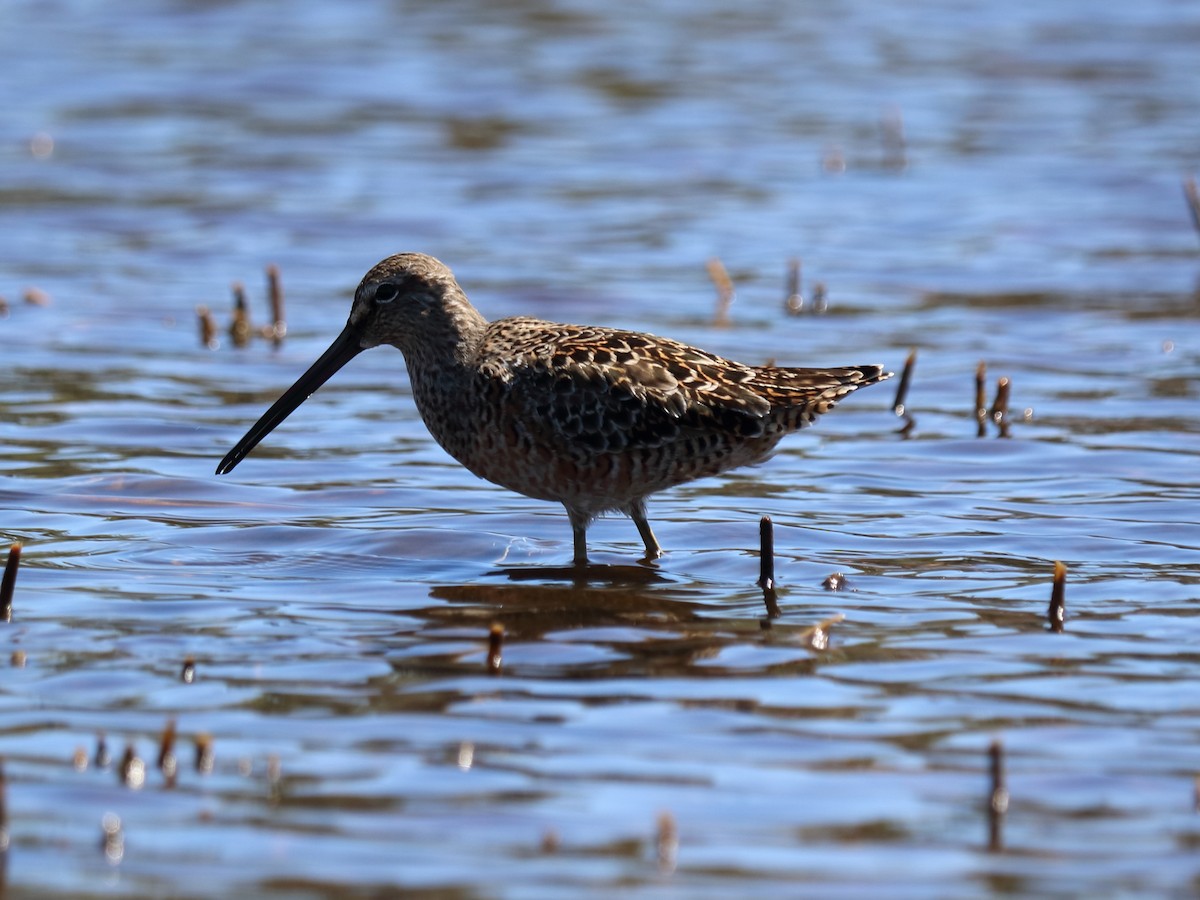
x: 979, y: 182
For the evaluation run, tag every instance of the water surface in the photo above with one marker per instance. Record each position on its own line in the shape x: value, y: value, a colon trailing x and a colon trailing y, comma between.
x: 980, y: 182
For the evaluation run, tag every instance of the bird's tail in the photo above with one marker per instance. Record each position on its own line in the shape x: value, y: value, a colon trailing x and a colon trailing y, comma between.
x: 799, y: 396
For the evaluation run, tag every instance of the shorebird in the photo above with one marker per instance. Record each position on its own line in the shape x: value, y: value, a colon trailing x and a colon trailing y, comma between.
x: 597, y: 419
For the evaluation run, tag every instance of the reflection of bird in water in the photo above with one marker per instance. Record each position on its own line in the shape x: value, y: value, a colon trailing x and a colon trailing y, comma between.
x: 596, y: 419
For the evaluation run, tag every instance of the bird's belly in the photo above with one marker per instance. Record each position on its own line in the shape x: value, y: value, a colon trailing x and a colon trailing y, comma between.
x: 596, y: 481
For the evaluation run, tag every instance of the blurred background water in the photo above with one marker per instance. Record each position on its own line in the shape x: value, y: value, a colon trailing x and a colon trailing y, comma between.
x: 979, y: 181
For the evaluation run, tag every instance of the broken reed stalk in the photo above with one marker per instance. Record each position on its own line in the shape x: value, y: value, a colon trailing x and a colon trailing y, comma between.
x: 112, y: 843
x: 981, y: 410
x: 204, y: 753
x: 166, y: 752
x: 9, y: 583
x: 132, y: 770
x: 820, y: 298
x: 816, y: 637
x: 834, y: 582
x: 1192, y: 194
x: 793, y: 302
x: 208, y: 328
x: 275, y: 294
x: 3, y: 812
x: 724, y: 284
x: 495, y: 655
x: 1057, y: 613
x: 997, y: 797
x: 766, y: 568
x: 999, y: 411
x: 36, y: 297
x: 666, y: 842
x: 766, y: 553
x: 102, y: 759
x: 240, y: 331
x: 910, y: 363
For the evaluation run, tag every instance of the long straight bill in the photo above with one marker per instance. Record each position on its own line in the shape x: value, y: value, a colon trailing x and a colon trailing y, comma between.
x: 340, y: 352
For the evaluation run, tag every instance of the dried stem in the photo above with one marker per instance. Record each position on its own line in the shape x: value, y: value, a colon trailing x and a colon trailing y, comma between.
x: 1057, y: 613
x: 3, y: 815
x: 997, y: 797
x: 102, y: 759
x: 275, y: 295
x: 820, y: 298
x: 898, y: 406
x: 167, y: 763
x: 1192, y: 194
x: 205, y: 758
x: 816, y: 637
x: 724, y: 284
x: 240, y: 331
x: 834, y: 582
x: 999, y: 411
x: 9, y: 582
x: 794, y: 300
x: 981, y: 410
x: 208, y: 328
x: 666, y: 842
x: 495, y: 654
x: 766, y: 553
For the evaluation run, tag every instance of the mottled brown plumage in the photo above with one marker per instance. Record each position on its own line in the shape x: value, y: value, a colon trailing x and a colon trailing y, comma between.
x: 596, y: 419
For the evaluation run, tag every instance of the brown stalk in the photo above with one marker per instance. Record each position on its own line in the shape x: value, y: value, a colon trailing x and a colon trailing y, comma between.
x: 981, y: 411
x: 997, y: 797
x: 9, y: 582
x: 1057, y: 613
x: 495, y: 656
x: 898, y: 405
x: 999, y: 411
x: 724, y: 284
x: 240, y: 331
x: 1192, y: 194
x: 793, y: 302
x: 275, y: 294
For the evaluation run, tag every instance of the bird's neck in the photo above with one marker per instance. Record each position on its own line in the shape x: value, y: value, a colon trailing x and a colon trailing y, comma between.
x: 443, y: 353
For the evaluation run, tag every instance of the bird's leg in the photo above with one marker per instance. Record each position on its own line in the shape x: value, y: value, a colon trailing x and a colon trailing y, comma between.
x: 637, y: 512
x: 579, y: 524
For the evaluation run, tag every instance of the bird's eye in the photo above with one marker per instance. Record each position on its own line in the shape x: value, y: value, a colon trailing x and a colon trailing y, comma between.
x: 386, y: 293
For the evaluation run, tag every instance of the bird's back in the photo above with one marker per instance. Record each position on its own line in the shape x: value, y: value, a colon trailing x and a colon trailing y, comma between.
x: 598, y: 418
